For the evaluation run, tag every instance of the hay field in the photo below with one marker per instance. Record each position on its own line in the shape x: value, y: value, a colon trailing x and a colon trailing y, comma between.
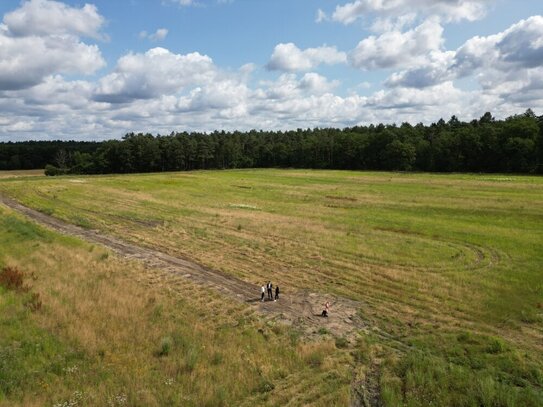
x: 449, y: 266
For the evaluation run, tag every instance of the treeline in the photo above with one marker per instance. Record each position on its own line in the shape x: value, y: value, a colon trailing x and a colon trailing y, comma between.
x: 513, y: 145
x: 31, y: 155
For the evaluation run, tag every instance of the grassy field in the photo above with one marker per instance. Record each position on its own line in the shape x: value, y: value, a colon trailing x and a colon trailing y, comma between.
x: 109, y: 332
x: 449, y: 266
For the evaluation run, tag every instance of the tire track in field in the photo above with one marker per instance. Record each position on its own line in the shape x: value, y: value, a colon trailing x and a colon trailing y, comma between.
x: 301, y: 308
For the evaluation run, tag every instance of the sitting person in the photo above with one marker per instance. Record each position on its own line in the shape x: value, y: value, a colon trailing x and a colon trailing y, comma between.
x: 326, y: 309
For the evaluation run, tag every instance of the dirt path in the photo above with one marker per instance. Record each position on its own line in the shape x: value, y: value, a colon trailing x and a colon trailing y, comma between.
x: 301, y: 308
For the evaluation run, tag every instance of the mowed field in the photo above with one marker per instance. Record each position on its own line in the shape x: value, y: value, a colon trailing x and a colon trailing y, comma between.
x: 448, y: 270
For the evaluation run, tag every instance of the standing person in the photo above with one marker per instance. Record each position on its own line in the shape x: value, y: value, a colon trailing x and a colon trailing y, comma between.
x: 263, y: 290
x: 270, y: 287
x: 276, y: 292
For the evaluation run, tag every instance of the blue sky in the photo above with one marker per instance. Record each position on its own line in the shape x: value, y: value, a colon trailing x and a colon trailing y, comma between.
x: 92, y: 71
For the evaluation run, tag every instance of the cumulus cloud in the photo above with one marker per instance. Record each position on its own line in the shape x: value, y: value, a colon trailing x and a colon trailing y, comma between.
x: 317, y: 84
x: 290, y: 86
x: 47, y: 17
x: 433, y: 71
x: 227, y: 94
x: 521, y: 45
x: 35, y: 45
x: 157, y: 72
x: 448, y: 10
x: 497, y: 61
x: 394, y: 48
x: 160, y: 90
x: 288, y: 57
x: 26, y: 61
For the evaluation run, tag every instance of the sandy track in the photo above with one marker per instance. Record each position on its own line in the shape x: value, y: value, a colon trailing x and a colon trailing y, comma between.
x: 301, y: 308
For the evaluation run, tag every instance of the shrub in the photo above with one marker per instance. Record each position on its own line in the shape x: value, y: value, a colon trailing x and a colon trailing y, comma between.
x: 51, y: 170
x: 12, y: 279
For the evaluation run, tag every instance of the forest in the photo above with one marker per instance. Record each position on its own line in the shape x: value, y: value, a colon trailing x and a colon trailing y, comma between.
x: 511, y: 145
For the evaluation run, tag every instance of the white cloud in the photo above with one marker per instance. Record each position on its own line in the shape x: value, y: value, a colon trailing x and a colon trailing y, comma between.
x: 47, y: 17
x: 497, y: 61
x: 290, y: 86
x: 159, y: 35
x: 288, y: 57
x: 433, y: 71
x: 394, y: 48
x: 449, y: 10
x: 157, y: 72
x: 317, y: 84
x: 521, y: 45
x: 161, y: 91
x: 32, y: 48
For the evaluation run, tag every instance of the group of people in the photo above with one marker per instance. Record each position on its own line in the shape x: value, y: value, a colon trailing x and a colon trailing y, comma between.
x: 269, y: 288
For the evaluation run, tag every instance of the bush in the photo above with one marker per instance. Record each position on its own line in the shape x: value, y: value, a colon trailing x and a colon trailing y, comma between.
x: 12, y: 279
x: 51, y: 170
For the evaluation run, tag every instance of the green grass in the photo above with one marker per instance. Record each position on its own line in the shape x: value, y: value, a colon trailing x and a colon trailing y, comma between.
x: 433, y: 258
x: 115, y: 333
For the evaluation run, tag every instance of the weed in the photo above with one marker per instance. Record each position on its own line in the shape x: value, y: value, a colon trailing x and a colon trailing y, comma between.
x: 264, y: 386
x: 165, y: 346
x: 191, y: 359
x: 82, y: 222
x: 342, y: 343
x: 496, y: 346
x: 217, y: 358
x: 47, y: 211
x: 314, y: 357
x: 12, y: 278
x: 34, y: 303
x: 220, y: 397
x: 294, y: 337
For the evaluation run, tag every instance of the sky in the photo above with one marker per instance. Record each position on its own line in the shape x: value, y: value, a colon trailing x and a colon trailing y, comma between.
x: 98, y: 70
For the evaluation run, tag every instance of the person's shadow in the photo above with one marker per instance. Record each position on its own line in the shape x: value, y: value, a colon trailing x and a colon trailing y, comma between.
x: 253, y: 300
